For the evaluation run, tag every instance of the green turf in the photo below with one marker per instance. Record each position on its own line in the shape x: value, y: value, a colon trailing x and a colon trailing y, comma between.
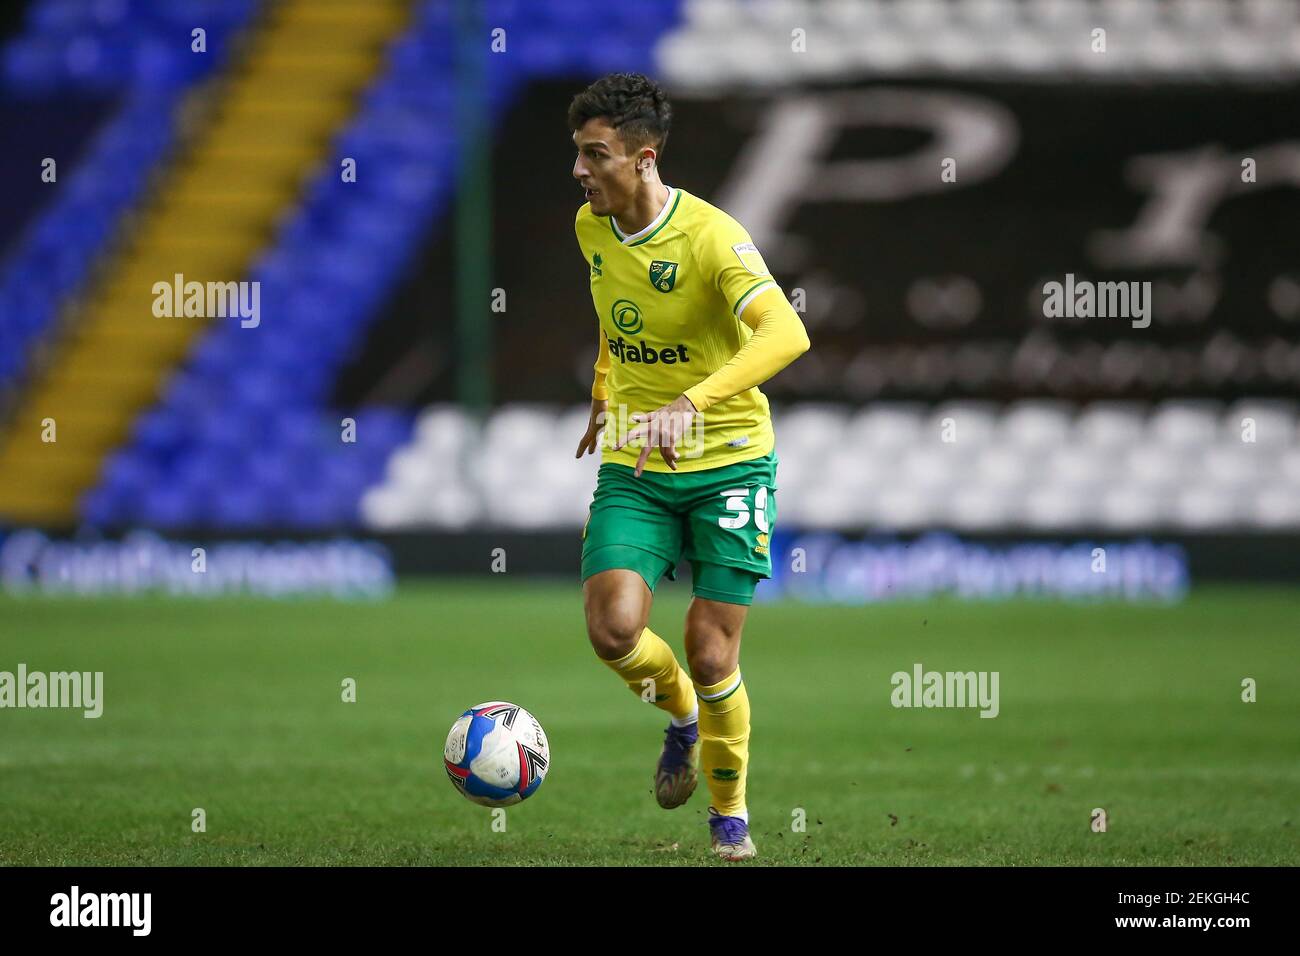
x: 234, y: 706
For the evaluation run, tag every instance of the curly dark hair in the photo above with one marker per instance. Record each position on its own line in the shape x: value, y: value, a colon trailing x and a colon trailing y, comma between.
x: 632, y: 103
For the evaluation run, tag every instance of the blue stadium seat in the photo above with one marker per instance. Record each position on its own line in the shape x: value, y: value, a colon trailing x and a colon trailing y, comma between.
x: 133, y: 48
x: 260, y: 447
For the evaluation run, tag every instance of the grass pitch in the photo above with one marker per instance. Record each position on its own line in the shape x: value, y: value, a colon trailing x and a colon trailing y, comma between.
x: 234, y: 706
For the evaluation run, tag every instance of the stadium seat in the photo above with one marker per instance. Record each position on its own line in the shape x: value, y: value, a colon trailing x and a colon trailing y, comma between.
x: 1033, y: 464
x: 72, y: 48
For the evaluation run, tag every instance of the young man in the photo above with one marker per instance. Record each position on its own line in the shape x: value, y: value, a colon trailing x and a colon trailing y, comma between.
x: 691, y: 322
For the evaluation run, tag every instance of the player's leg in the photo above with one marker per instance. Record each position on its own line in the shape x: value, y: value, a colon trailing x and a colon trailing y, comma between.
x: 714, y: 623
x: 731, y: 517
x: 631, y: 540
x: 617, y: 603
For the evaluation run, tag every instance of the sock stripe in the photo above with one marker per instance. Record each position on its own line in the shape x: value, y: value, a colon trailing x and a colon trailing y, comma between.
x: 632, y: 656
x: 722, y: 694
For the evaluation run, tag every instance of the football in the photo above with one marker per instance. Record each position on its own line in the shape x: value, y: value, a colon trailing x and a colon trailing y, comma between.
x: 496, y: 754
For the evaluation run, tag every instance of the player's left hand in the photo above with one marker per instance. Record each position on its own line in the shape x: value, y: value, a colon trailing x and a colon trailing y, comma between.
x: 663, y: 429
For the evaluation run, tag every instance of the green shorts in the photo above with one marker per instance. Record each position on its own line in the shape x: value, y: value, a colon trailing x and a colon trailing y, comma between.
x: 719, y: 519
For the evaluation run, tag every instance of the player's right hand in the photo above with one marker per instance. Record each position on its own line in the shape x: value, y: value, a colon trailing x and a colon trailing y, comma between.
x: 591, y: 441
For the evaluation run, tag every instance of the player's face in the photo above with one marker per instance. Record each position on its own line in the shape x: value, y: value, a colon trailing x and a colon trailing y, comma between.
x: 606, y: 172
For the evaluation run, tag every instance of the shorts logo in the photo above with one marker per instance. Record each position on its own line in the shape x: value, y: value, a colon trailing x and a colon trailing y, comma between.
x: 627, y: 316
x: 663, y: 275
x: 761, y: 547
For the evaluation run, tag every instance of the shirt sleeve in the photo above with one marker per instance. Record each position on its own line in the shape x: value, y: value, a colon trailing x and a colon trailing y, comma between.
x: 778, y: 339
x: 730, y: 258
x: 599, y: 390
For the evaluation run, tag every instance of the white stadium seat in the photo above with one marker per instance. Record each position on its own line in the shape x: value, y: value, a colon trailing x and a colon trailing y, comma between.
x: 1126, y: 507
x: 1079, y: 467
x: 1202, y: 507
x: 731, y: 43
x: 886, y: 427
x: 1155, y: 467
x: 1029, y: 464
x: 904, y: 508
x: 1185, y: 423
x: 970, y: 424
x: 1276, y: 505
x: 1005, y: 466
x: 1265, y: 422
x: 1057, y: 506
x: 1036, y: 424
x: 1110, y: 425
x: 979, y: 508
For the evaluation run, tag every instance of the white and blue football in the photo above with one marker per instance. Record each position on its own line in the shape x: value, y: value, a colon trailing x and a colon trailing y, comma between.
x: 496, y: 754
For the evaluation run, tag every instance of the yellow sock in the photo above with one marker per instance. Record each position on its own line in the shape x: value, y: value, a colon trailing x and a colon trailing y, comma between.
x: 652, y: 673
x: 724, y: 742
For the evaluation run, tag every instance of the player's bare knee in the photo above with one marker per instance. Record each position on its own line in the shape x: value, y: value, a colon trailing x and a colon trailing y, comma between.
x: 614, y: 626
x: 616, y: 614
x: 613, y: 635
x: 709, y: 661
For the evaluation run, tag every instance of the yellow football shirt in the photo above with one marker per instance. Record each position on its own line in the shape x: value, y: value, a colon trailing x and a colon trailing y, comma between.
x: 668, y: 300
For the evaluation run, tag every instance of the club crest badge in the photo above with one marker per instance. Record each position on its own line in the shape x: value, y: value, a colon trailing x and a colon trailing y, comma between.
x: 663, y: 275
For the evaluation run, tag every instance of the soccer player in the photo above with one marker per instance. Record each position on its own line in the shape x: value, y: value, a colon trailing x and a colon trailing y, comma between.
x: 690, y: 323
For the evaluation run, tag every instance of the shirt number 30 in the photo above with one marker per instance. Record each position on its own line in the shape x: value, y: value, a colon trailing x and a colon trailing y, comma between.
x: 738, y: 502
